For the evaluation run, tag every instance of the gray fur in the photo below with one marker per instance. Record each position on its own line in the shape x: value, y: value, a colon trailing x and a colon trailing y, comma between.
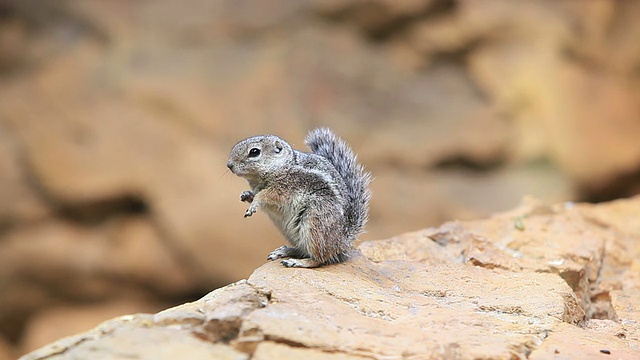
x: 318, y: 200
x: 324, y: 142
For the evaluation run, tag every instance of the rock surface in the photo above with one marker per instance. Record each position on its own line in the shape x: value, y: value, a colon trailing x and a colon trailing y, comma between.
x: 538, y: 282
x: 116, y: 118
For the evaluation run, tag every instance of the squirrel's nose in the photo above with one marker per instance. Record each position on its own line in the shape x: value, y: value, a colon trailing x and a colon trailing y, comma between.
x: 230, y: 165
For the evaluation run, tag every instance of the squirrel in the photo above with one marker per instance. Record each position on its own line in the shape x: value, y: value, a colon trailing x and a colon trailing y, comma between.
x: 319, y: 200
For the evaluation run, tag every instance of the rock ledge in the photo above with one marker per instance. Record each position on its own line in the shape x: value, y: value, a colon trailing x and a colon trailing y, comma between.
x: 537, y: 282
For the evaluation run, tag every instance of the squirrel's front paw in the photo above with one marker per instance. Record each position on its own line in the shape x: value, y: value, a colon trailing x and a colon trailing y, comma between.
x: 251, y: 210
x: 247, y: 196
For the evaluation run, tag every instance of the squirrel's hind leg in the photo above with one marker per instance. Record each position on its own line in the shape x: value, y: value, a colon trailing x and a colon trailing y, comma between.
x: 298, y: 260
x: 284, y: 251
x: 302, y: 263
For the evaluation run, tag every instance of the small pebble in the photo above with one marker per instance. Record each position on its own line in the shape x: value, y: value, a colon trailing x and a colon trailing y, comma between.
x: 605, y: 351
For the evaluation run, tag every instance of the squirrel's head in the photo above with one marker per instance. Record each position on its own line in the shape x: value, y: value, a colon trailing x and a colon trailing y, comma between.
x: 257, y: 157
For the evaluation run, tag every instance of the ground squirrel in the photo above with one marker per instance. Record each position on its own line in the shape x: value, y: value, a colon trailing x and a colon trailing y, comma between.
x: 318, y: 200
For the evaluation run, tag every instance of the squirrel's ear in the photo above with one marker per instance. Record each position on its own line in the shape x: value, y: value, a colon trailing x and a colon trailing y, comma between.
x: 278, y: 146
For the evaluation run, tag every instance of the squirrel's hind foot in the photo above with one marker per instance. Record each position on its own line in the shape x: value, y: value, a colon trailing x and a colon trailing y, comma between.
x: 301, y: 263
x: 281, y: 252
x: 294, y: 254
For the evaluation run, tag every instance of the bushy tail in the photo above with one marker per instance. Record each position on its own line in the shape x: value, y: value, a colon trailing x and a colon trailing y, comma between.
x: 324, y: 142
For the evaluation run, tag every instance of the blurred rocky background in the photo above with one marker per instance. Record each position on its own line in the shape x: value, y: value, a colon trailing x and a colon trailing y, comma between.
x: 116, y: 118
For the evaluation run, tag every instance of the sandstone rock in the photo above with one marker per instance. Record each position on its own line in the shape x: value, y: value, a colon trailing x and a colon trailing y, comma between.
x: 375, y: 16
x: 410, y: 299
x: 7, y: 352
x: 518, y: 285
x: 569, y: 342
x: 620, y: 215
x: 86, y: 265
x: 273, y: 350
x: 403, y: 305
x: 455, y: 194
x: 116, y: 119
x: 76, y: 319
x: 20, y: 203
x: 551, y: 107
x: 54, y: 251
x: 126, y: 334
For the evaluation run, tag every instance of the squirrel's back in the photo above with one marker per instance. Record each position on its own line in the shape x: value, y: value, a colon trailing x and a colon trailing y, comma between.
x: 324, y: 142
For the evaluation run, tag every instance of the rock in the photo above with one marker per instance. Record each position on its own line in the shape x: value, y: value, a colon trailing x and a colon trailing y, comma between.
x: 455, y: 194
x: 20, y: 203
x: 76, y: 319
x: 83, y: 263
x: 528, y: 283
x: 551, y: 107
x: 124, y: 334
x: 273, y: 350
x: 7, y: 352
x: 324, y: 313
x: 413, y: 300
x: 116, y: 120
x: 375, y: 17
x: 567, y: 342
x: 87, y: 265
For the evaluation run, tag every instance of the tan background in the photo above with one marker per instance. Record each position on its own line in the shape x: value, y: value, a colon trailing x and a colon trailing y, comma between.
x: 116, y: 119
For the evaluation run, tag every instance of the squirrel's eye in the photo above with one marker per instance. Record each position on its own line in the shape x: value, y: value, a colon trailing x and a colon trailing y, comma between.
x: 254, y: 152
